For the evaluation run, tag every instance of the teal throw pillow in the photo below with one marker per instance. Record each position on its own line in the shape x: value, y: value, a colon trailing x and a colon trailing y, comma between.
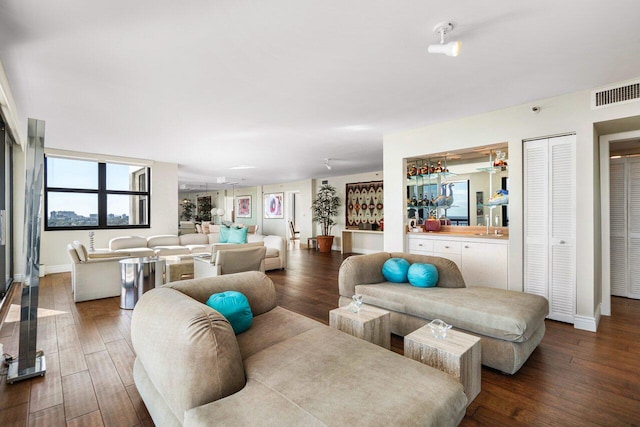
x: 224, y: 234
x: 234, y: 306
x: 238, y: 235
x: 395, y: 270
x: 423, y: 275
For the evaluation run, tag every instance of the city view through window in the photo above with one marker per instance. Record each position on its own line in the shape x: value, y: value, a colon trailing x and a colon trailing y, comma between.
x: 73, y: 194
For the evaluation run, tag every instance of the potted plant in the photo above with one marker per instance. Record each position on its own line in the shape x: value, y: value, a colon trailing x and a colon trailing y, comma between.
x: 187, y: 210
x: 324, y: 209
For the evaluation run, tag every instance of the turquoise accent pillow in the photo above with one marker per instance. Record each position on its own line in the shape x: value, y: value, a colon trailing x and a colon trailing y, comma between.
x: 234, y: 306
x: 238, y: 235
x: 395, y: 270
x: 224, y: 234
x: 423, y: 275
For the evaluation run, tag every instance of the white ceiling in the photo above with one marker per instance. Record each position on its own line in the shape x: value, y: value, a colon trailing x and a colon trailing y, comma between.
x: 281, y: 85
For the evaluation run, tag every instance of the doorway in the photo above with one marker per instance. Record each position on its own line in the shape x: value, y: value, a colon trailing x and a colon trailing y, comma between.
x: 619, y: 155
x: 293, y: 213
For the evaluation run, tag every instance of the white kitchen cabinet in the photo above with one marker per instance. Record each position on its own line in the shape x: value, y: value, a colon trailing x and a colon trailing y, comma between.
x: 482, y: 261
x: 550, y: 223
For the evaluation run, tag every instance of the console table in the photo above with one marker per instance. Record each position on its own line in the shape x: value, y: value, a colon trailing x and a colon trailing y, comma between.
x: 372, y: 235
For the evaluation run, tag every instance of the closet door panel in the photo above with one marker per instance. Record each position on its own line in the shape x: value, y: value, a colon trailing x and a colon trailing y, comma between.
x: 633, y: 227
x: 536, y: 224
x: 562, y: 208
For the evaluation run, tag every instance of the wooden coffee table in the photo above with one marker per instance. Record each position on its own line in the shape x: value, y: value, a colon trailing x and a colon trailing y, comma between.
x: 458, y: 354
x: 370, y: 324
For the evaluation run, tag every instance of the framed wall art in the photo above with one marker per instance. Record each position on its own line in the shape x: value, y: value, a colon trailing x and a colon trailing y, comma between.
x: 273, y: 205
x: 243, y: 207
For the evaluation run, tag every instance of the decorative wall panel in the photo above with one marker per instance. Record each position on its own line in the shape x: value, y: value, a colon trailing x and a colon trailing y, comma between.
x: 364, y: 203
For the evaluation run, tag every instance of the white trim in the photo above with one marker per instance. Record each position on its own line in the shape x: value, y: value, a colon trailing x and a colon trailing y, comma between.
x: 587, y: 323
x: 18, y: 277
x: 9, y: 109
x: 604, y: 305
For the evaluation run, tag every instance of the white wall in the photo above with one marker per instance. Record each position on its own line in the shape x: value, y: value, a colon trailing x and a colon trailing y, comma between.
x: 279, y: 226
x: 563, y: 114
x: 164, y: 220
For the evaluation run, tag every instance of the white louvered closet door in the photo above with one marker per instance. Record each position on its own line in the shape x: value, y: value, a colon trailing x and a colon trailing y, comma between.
x: 562, y: 210
x: 633, y: 226
x: 550, y: 223
x: 536, y: 218
x: 618, y: 226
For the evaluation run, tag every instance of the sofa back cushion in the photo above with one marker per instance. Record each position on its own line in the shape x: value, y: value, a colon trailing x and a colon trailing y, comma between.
x: 82, y: 251
x: 449, y: 275
x: 217, y: 246
x: 361, y: 270
x: 208, y: 362
x: 127, y: 242
x: 194, y: 239
x: 163, y: 240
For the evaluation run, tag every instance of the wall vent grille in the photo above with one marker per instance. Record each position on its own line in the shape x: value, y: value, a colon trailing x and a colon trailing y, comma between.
x: 615, y: 95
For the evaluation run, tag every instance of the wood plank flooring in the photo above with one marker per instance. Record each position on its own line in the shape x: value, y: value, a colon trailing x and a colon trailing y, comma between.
x: 574, y: 378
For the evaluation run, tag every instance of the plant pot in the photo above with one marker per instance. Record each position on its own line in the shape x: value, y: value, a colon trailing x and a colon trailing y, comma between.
x: 325, y: 243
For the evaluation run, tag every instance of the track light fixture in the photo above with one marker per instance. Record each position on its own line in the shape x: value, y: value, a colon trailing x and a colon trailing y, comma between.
x: 449, y: 49
x: 326, y: 164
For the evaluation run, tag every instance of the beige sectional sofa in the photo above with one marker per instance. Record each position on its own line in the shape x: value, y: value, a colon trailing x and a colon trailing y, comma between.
x: 194, y: 244
x: 286, y: 370
x: 510, y: 324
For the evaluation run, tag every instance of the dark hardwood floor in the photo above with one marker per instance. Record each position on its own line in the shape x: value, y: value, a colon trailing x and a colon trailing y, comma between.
x: 574, y: 378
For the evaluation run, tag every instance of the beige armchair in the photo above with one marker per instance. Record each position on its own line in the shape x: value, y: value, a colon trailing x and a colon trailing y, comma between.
x: 93, y: 278
x: 229, y: 261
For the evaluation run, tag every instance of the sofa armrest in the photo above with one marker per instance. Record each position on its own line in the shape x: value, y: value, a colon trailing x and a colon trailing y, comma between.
x: 187, y: 349
x: 279, y: 243
x: 361, y: 270
x: 256, y: 286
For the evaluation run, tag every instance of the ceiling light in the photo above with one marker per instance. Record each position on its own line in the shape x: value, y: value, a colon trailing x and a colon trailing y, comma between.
x: 242, y: 167
x: 326, y: 164
x: 449, y: 49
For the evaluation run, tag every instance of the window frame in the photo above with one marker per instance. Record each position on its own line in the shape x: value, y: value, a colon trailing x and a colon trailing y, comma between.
x: 102, y: 192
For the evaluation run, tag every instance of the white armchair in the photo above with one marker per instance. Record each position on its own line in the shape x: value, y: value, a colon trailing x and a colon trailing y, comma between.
x: 93, y: 278
x: 229, y: 261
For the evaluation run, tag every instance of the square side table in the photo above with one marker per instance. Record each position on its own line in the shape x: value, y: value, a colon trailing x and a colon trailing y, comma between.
x: 370, y: 324
x: 458, y: 354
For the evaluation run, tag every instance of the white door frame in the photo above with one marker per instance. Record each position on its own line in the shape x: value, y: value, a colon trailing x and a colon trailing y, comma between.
x: 605, y: 232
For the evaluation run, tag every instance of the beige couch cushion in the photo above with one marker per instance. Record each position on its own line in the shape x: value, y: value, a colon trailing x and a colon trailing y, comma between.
x: 272, y: 253
x: 126, y: 242
x: 136, y: 252
x: 163, y: 240
x: 507, y: 315
x: 194, y: 239
x: 171, y: 250
x: 307, y: 371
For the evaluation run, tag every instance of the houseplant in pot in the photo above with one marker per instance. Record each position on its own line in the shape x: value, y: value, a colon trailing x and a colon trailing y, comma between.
x: 324, y: 209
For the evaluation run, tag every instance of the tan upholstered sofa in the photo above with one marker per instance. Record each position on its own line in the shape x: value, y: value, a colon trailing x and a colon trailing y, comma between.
x: 194, y: 244
x: 511, y: 324
x: 286, y: 370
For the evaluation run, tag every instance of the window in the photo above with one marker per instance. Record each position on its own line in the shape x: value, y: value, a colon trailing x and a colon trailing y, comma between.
x: 86, y: 194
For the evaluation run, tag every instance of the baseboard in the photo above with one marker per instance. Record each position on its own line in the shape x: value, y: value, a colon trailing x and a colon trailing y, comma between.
x: 18, y: 278
x: 51, y: 269
x: 587, y: 323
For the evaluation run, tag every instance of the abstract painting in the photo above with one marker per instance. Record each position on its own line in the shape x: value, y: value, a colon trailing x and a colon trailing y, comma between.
x: 273, y: 205
x: 243, y: 207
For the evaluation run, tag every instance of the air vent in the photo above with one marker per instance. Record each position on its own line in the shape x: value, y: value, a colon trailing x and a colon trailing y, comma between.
x: 615, y: 95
